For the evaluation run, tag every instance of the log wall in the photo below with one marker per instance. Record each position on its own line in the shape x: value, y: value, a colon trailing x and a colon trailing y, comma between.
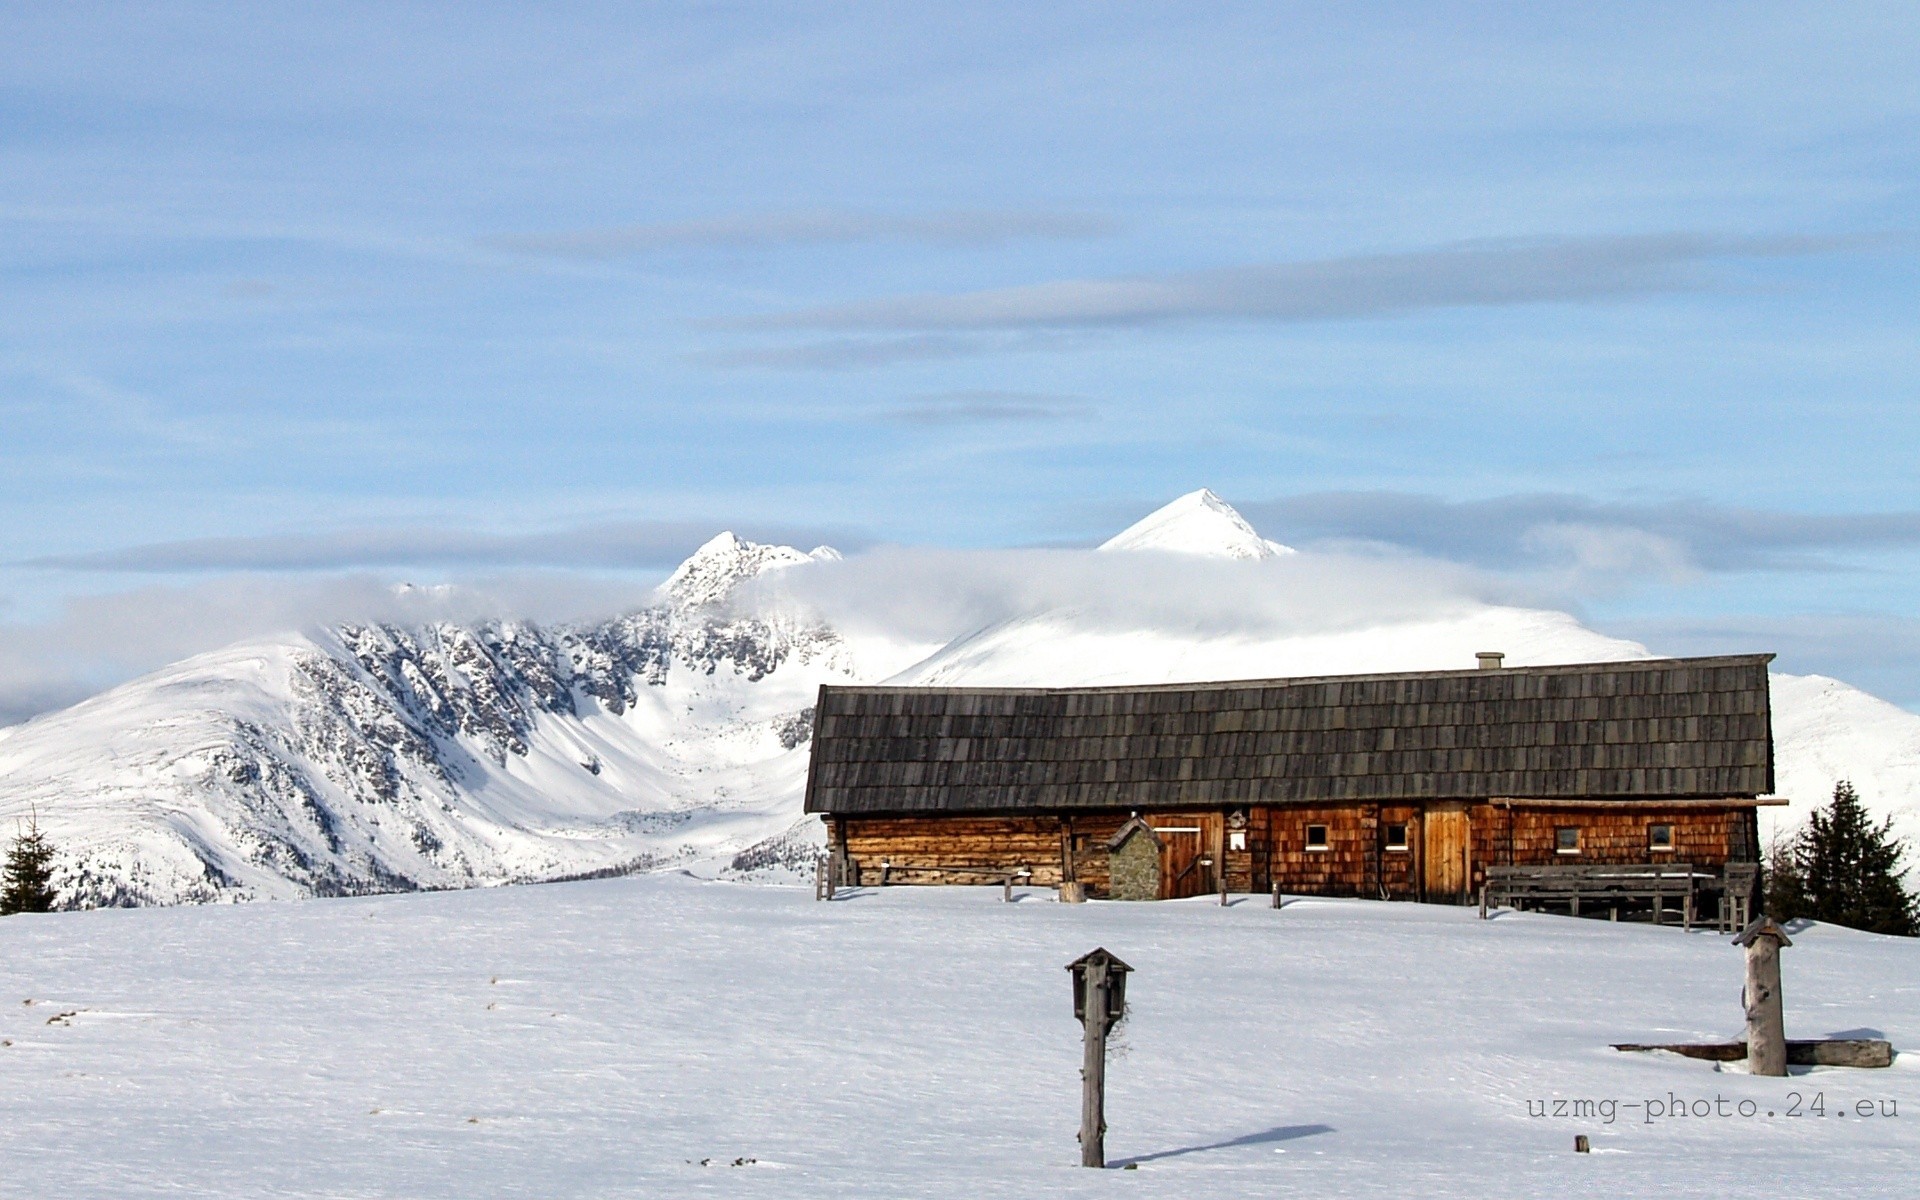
x: 932, y: 849
x: 956, y: 850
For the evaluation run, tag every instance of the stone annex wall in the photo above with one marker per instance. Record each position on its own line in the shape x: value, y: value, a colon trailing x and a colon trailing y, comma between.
x: 1135, y: 870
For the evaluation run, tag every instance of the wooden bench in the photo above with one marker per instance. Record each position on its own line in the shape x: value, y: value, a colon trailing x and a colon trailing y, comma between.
x: 1000, y: 875
x: 1605, y: 884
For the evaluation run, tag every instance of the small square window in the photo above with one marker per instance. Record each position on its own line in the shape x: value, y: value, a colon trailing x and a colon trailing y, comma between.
x: 1397, y: 837
x: 1316, y: 837
x: 1659, y: 837
x: 1566, y: 840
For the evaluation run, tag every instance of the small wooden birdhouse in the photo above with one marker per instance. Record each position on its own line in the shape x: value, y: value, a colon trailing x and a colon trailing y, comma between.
x: 1106, y: 972
x: 1762, y: 926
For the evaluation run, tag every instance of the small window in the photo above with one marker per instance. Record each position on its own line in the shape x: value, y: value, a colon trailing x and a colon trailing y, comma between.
x: 1397, y: 837
x: 1566, y: 840
x: 1316, y: 837
x: 1659, y: 837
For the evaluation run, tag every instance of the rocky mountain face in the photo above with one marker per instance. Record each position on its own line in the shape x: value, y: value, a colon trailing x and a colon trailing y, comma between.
x: 379, y: 757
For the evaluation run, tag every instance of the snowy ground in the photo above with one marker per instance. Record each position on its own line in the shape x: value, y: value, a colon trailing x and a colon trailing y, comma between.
x: 608, y: 1038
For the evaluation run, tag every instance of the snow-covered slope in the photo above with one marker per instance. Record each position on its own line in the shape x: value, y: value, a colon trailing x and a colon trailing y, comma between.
x: 1825, y: 731
x: 663, y: 1037
x: 375, y: 757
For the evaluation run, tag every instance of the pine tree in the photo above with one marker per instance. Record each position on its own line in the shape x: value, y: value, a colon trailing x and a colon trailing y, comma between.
x: 1850, y: 869
x: 26, y: 883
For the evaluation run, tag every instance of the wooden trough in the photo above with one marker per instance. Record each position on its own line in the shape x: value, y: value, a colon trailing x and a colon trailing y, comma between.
x: 1824, y: 1052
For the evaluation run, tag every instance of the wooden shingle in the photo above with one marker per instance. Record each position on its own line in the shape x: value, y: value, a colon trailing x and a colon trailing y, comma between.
x: 1662, y: 727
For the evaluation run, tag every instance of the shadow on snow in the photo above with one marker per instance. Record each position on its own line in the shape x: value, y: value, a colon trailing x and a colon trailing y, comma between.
x: 1281, y: 1133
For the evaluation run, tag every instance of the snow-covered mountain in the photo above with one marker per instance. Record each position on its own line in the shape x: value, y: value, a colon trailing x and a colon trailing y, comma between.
x: 1199, y: 523
x: 374, y: 758
x: 378, y: 757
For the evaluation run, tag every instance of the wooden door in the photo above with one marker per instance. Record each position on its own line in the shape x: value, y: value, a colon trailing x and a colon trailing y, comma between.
x: 1189, y: 853
x: 1446, y: 854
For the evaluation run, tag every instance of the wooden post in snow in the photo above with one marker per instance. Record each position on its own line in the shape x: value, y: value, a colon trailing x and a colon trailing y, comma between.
x: 1093, y: 1070
x: 1099, y: 1000
x: 1766, y: 1020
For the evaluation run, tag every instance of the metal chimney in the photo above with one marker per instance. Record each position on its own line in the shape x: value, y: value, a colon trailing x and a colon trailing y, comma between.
x: 1490, y: 660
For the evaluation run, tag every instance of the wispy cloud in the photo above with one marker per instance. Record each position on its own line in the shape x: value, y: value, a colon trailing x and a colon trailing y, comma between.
x: 1664, y: 537
x: 809, y: 228
x: 1473, y: 274
x: 844, y: 354
x: 971, y: 408
x: 855, y: 353
x: 612, y: 546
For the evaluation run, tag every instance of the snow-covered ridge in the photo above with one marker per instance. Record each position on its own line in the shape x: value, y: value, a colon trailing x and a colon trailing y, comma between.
x: 374, y: 757
x: 726, y: 561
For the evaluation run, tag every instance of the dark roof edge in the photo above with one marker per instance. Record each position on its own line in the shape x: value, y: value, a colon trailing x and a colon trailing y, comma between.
x: 1209, y: 685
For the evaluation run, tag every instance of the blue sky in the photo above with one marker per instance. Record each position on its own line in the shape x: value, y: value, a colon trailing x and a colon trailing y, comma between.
x: 1618, y: 299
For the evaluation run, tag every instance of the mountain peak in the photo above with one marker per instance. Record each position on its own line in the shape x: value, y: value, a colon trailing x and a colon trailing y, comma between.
x: 726, y: 560
x: 1198, y: 523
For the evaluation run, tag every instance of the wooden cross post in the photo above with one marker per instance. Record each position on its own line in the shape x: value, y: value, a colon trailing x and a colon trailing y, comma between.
x: 1093, y: 1070
x: 1766, y: 1021
x: 1099, y: 1000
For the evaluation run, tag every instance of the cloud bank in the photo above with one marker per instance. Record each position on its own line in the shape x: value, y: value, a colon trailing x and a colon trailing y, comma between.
x: 1406, y: 557
x: 937, y: 595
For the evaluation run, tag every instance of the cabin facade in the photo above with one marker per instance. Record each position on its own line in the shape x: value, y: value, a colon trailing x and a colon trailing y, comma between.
x: 1401, y: 786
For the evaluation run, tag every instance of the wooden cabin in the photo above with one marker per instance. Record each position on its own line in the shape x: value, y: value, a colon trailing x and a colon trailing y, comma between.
x: 1401, y: 786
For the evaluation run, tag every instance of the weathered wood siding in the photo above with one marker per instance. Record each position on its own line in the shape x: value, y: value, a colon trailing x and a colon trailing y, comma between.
x: 1339, y: 870
x: 959, y: 849
x: 1525, y: 836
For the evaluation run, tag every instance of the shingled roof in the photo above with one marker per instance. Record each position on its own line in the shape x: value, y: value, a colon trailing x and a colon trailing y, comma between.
x: 1678, y: 727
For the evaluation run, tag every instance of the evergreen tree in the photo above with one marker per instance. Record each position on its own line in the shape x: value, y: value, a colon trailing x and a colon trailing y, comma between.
x: 26, y: 883
x: 1786, y: 887
x: 1850, y: 869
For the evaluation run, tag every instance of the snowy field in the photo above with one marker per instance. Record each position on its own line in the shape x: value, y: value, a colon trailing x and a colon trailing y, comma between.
x: 636, y: 1037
